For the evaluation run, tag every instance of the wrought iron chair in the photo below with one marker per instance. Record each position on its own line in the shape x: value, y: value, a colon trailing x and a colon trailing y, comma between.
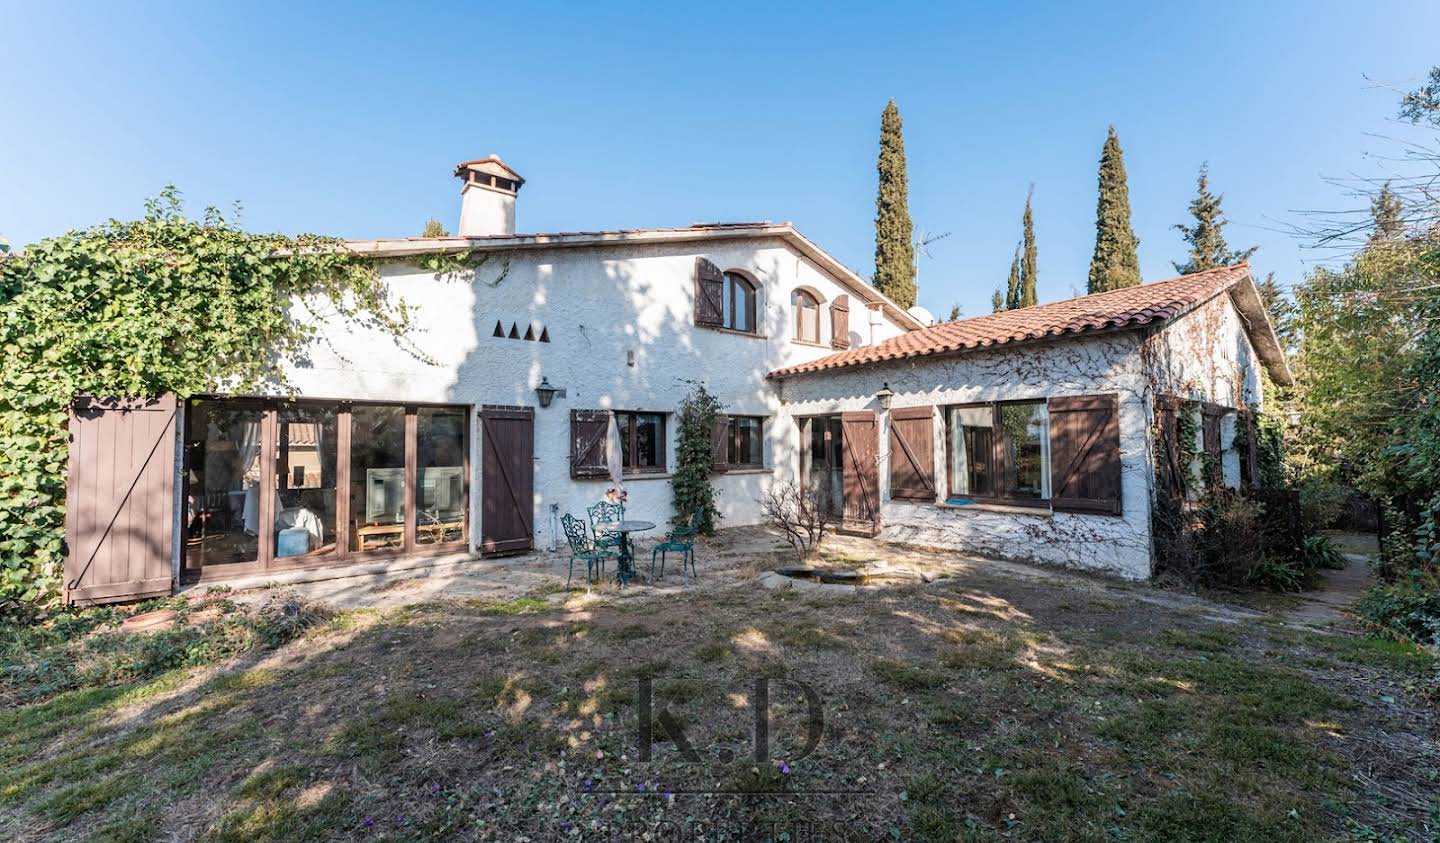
x: 680, y: 540
x: 583, y: 549
x: 605, y: 512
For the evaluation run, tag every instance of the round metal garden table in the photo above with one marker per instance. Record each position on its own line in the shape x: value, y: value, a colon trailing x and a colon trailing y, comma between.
x: 625, y: 566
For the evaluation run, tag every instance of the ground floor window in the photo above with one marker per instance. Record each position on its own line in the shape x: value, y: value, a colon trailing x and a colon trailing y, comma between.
x: 642, y: 441
x: 744, y: 443
x: 345, y: 477
x: 999, y: 451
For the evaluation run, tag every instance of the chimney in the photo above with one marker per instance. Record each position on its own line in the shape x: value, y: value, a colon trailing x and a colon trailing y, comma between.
x: 487, y: 197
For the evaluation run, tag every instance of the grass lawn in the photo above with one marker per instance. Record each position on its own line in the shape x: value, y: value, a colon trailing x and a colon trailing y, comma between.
x: 982, y: 708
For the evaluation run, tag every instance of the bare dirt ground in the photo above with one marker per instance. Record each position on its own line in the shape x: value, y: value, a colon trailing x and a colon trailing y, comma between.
x: 994, y: 702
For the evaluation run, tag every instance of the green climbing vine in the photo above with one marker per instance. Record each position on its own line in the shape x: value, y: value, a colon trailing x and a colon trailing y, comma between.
x: 139, y: 308
x: 692, y: 489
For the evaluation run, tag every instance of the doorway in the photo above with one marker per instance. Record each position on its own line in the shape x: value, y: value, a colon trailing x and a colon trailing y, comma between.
x: 838, y: 464
x: 507, y: 479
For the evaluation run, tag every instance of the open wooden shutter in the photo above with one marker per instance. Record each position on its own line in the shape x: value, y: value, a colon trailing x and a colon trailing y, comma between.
x: 1250, y: 465
x: 1210, y: 415
x: 840, y: 322
x: 1085, y: 454
x: 1172, y: 474
x: 119, y: 500
x: 861, y: 474
x: 720, y: 443
x: 912, y: 454
x: 588, y: 431
x: 709, y: 294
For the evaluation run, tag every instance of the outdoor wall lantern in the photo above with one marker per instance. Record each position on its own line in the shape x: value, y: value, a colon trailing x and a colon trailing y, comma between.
x: 884, y: 397
x: 546, y: 393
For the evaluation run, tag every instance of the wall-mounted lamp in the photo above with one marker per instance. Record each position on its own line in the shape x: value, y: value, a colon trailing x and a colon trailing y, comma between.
x: 546, y: 393
x: 885, y: 396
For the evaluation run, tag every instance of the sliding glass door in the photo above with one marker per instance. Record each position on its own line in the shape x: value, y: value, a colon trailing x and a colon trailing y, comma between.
x: 347, y: 480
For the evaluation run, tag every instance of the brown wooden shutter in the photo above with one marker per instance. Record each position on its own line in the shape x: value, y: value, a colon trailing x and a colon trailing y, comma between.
x: 709, y: 294
x: 912, y: 454
x: 119, y: 499
x: 589, y: 430
x: 1210, y: 415
x: 1172, y: 474
x: 840, y: 322
x: 1250, y: 466
x: 1085, y: 454
x: 861, y: 474
x: 720, y: 443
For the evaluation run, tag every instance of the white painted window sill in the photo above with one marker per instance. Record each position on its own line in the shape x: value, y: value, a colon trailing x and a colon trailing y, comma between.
x: 1042, y: 512
x: 761, y: 470
x: 654, y: 475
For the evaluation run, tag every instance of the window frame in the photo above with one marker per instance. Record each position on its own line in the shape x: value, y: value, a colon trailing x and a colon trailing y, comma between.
x: 732, y: 281
x: 1000, y: 469
x: 799, y: 312
x: 732, y: 442
x: 627, y: 466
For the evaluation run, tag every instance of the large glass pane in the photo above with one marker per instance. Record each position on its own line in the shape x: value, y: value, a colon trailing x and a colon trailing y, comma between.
x: 222, y: 497
x: 440, y: 475
x: 305, y: 473
x: 745, y: 442
x: 642, y: 441
x: 377, y: 477
x: 971, y: 451
x: 1027, y: 457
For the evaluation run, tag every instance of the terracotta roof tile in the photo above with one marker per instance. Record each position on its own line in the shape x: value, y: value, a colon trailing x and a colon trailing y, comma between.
x: 1131, y: 307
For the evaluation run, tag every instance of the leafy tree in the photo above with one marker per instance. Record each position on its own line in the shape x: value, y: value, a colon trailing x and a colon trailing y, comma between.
x: 1028, y: 267
x: 954, y: 312
x: 1387, y: 213
x: 1280, y: 310
x: 1012, y: 284
x: 997, y: 301
x: 161, y: 304
x: 434, y: 228
x: 691, y: 489
x: 1116, y: 262
x: 894, y: 248
x: 1206, y: 237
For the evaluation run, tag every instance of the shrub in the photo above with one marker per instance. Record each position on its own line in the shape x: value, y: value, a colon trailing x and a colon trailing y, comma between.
x: 1409, y: 610
x: 1321, y: 502
x: 1225, y: 541
x: 694, y: 456
x: 1320, y: 552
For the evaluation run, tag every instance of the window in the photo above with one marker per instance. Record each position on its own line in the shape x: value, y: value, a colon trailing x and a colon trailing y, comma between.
x: 1000, y: 451
x: 642, y: 441
x: 739, y: 303
x: 807, y: 317
x: 742, y: 444
x: 439, y: 475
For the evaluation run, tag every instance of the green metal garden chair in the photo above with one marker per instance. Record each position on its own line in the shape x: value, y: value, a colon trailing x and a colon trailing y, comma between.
x: 583, y: 549
x: 605, y: 512
x: 680, y: 540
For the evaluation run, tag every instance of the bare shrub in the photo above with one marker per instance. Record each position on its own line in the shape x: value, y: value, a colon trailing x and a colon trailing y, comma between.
x: 799, y: 514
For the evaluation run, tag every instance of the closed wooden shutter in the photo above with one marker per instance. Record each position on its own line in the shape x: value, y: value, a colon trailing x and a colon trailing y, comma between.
x: 1210, y: 415
x: 709, y: 294
x: 1172, y: 474
x: 861, y: 474
x: 720, y: 443
x: 1250, y: 465
x: 588, y: 432
x: 1085, y: 454
x: 840, y: 322
x: 912, y: 454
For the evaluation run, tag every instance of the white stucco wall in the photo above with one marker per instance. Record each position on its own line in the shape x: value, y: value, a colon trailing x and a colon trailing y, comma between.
x: 1118, y: 545
x: 622, y: 336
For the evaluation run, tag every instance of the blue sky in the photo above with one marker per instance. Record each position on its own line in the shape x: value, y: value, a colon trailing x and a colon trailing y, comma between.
x: 347, y: 119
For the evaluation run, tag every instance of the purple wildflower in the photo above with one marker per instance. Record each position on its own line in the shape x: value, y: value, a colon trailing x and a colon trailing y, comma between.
x: 640, y: 788
x: 784, y: 769
x: 589, y: 785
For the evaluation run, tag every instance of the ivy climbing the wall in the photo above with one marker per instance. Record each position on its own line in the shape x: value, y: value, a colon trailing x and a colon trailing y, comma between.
x: 141, y: 308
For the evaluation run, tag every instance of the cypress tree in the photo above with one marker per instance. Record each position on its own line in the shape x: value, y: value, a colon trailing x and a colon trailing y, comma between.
x: 1206, y: 237
x: 1012, y: 286
x: 997, y: 301
x: 1116, y: 262
x: 894, y: 248
x: 434, y: 228
x: 954, y: 312
x: 1028, y: 296
x: 1387, y: 212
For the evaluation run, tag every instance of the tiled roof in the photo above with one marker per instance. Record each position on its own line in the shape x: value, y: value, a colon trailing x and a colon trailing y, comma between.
x: 1131, y: 307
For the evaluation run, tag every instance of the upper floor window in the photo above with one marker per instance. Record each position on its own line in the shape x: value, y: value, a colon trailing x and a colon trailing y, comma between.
x: 807, y: 317
x: 738, y: 303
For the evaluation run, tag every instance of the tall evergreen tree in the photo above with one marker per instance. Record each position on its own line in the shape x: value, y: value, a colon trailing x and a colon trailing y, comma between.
x: 894, y: 249
x: 1387, y: 213
x: 1116, y: 262
x: 1206, y: 237
x: 997, y: 301
x: 954, y: 312
x: 1028, y: 296
x: 1012, y: 285
x: 1280, y: 309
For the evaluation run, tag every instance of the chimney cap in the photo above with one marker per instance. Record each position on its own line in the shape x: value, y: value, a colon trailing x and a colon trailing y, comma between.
x: 491, y: 165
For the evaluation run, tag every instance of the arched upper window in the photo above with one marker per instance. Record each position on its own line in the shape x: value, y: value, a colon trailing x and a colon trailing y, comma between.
x: 739, y: 303
x: 807, y: 317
